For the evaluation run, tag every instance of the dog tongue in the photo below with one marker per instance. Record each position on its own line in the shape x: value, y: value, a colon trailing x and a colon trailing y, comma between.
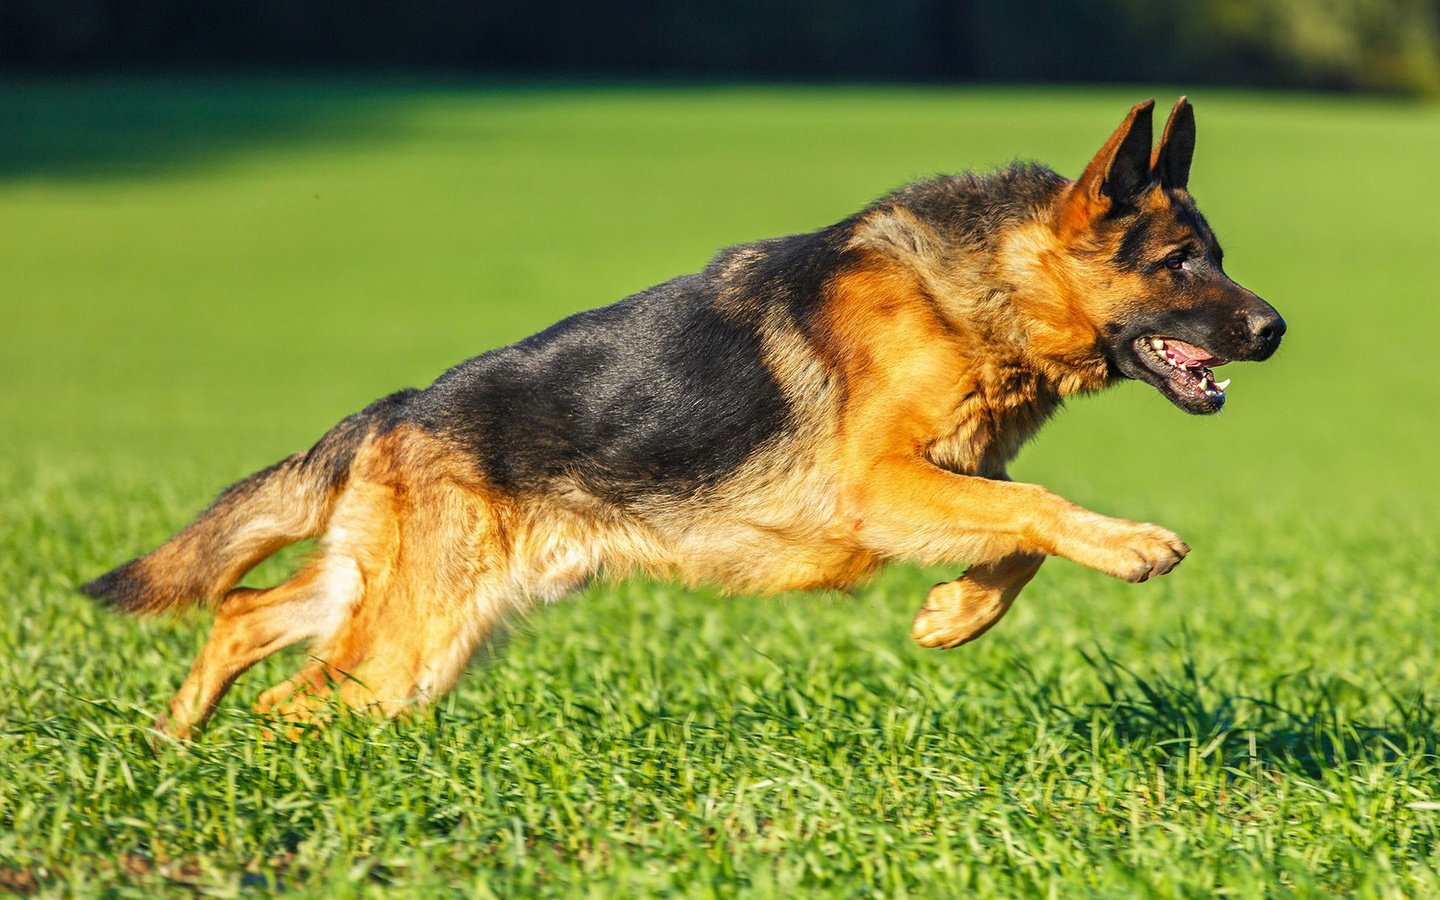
x: 1191, y: 355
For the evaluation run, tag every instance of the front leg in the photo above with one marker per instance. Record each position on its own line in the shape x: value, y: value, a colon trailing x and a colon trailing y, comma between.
x: 957, y: 612
x: 913, y: 509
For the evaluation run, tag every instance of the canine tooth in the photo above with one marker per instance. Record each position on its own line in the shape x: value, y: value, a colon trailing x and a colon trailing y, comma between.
x: 1157, y: 343
x: 1222, y: 385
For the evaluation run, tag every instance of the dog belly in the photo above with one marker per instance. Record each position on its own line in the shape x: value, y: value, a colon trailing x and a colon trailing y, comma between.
x: 817, y: 569
x: 767, y: 563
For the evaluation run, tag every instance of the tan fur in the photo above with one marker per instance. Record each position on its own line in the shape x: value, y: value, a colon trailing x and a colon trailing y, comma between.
x: 958, y: 612
x: 228, y: 543
x: 927, y: 367
x: 921, y: 384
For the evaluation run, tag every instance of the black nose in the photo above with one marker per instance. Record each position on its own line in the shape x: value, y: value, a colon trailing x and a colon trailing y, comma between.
x: 1266, y: 328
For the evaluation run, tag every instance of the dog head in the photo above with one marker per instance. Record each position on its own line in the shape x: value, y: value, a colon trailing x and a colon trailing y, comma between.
x: 1144, y: 269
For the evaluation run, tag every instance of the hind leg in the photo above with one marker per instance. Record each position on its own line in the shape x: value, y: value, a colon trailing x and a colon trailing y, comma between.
x: 388, y: 659
x: 249, y: 626
x: 957, y: 612
x: 431, y: 547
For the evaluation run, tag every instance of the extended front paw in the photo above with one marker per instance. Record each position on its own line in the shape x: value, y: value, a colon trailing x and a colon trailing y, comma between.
x: 1134, y: 551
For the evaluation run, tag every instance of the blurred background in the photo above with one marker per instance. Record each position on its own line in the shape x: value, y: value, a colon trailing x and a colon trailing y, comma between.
x: 226, y: 225
x: 1390, y: 45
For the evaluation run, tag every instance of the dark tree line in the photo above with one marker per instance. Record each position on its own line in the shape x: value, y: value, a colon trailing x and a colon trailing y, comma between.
x: 1369, y: 44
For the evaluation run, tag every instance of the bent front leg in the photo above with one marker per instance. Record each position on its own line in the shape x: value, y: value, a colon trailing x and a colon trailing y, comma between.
x: 910, y: 508
x: 957, y: 612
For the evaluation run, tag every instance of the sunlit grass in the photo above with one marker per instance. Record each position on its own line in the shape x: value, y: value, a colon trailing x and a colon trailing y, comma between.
x: 201, y: 277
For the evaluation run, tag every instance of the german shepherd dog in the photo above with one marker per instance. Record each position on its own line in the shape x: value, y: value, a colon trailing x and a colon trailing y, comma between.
x: 798, y: 414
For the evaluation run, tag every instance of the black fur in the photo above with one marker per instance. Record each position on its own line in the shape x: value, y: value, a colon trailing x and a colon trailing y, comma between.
x: 1172, y: 163
x: 332, y: 454
x: 660, y: 394
x: 665, y: 392
x: 1129, y: 174
x: 1134, y: 251
x: 1140, y: 244
x: 1189, y: 215
x: 123, y: 587
x: 972, y: 209
x: 787, y: 273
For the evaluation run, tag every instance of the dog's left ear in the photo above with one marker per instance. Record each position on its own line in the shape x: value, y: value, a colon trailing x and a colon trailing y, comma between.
x: 1171, y: 163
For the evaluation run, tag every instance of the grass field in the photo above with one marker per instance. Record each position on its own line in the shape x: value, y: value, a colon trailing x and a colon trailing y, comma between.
x: 200, y: 277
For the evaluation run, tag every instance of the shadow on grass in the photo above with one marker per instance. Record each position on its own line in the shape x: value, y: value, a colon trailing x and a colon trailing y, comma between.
x: 1305, y: 723
x: 96, y: 127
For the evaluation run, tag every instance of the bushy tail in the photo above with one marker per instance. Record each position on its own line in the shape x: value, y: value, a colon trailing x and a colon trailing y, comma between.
x: 288, y: 502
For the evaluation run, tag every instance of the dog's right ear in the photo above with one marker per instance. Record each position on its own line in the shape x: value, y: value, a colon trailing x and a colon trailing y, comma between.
x: 1119, y: 173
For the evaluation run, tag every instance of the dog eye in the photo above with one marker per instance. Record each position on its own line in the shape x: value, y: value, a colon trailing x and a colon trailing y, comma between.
x: 1174, y: 263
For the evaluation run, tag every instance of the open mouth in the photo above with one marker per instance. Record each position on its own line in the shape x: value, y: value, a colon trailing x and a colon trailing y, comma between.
x: 1184, y: 371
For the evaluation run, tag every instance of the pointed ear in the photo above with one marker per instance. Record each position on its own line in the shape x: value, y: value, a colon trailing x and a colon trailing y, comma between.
x: 1116, y: 177
x: 1120, y: 172
x: 1171, y: 163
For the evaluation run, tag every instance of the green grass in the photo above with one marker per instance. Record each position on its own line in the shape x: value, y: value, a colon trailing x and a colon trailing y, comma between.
x: 202, y: 276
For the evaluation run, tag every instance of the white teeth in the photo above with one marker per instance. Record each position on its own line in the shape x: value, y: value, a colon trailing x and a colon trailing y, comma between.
x: 1222, y: 385
x: 1157, y: 343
